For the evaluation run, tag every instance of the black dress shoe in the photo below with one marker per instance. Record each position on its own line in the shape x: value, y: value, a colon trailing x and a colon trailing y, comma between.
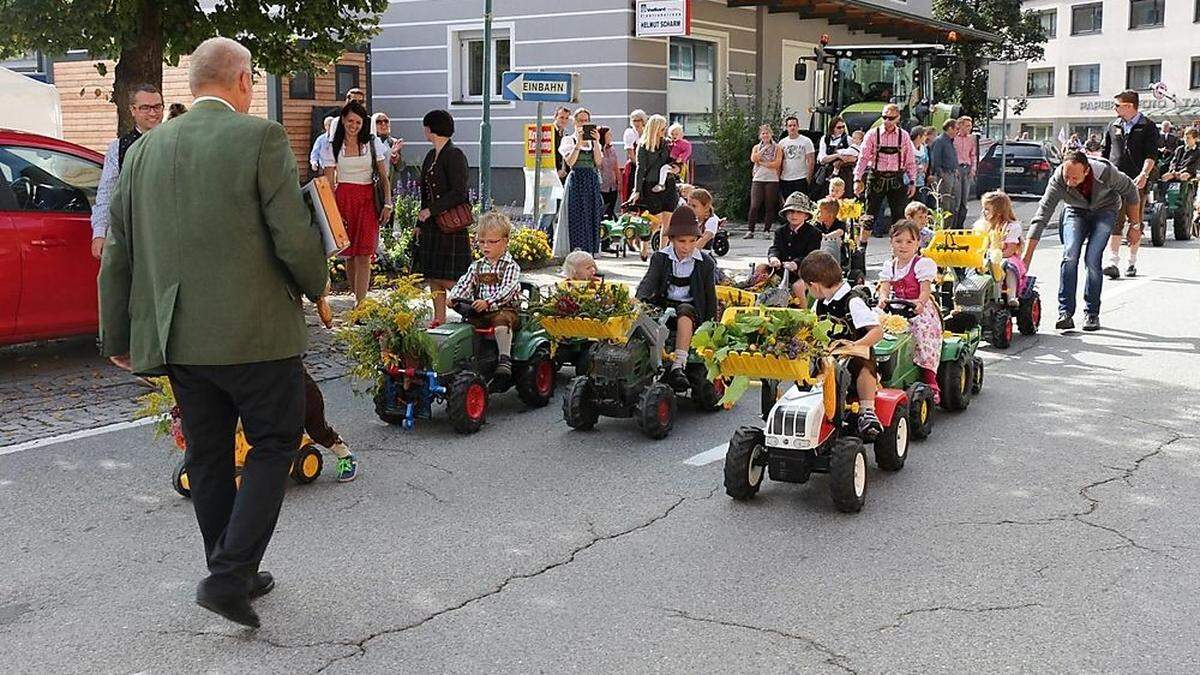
x: 261, y: 584
x: 236, y: 608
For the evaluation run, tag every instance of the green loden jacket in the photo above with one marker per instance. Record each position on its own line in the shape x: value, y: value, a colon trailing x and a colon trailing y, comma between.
x: 210, y: 246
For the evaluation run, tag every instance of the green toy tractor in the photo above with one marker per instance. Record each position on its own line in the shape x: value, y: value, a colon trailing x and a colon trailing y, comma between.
x: 463, y: 374
x: 623, y: 379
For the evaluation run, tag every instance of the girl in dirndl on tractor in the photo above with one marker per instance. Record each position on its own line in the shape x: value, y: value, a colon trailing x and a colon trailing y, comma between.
x: 909, y: 276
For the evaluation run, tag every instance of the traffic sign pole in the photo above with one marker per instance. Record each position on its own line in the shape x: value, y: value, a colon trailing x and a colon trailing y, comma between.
x: 485, y: 127
x: 537, y: 169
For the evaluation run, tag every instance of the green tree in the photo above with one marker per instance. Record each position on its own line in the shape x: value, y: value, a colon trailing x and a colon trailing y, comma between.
x: 733, y: 128
x: 140, y: 35
x: 1021, y: 39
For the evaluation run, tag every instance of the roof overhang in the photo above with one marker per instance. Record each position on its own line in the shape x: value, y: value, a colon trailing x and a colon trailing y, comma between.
x: 872, y: 18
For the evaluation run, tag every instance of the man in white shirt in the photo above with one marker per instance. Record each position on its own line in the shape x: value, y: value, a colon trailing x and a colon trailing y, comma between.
x: 637, y: 123
x: 799, y: 159
x: 146, y: 106
x: 319, y: 146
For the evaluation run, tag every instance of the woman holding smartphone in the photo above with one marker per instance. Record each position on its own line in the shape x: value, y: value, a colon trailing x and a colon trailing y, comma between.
x: 584, y: 205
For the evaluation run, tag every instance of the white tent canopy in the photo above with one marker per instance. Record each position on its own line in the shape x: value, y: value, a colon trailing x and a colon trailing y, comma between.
x: 29, y: 105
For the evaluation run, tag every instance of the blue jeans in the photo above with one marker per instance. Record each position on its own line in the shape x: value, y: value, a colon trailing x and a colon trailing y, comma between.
x: 1095, y: 227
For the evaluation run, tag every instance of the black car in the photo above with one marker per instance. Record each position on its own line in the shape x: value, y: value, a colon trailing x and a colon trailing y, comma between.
x: 1027, y: 170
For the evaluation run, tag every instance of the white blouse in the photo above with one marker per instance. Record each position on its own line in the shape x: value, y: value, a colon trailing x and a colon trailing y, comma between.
x: 926, y: 270
x: 354, y: 168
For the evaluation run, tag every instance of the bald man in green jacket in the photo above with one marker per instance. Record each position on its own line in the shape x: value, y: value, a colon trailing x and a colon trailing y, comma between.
x: 210, y: 249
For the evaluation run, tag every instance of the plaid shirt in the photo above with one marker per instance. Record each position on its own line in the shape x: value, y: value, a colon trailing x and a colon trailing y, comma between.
x: 499, y: 283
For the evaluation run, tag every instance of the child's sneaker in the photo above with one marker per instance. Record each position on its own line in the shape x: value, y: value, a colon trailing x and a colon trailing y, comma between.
x: 868, y: 424
x: 658, y: 188
x: 347, y: 468
x: 504, y: 368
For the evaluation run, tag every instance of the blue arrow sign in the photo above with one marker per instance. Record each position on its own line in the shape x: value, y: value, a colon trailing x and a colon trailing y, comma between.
x: 548, y: 87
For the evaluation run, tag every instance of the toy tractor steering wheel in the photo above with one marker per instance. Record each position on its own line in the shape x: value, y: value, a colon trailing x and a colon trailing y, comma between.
x: 901, y: 307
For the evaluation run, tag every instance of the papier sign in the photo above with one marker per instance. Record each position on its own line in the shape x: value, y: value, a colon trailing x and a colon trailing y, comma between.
x: 664, y: 17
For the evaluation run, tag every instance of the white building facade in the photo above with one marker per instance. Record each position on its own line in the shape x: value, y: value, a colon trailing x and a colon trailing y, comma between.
x: 1098, y: 48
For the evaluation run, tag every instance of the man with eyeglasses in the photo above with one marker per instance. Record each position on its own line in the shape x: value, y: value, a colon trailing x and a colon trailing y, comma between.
x: 1131, y: 144
x: 887, y: 156
x: 146, y: 105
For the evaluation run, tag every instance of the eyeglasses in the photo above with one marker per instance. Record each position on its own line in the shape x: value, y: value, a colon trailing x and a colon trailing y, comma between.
x: 383, y: 121
x: 1118, y: 104
x: 148, y: 108
x: 891, y: 118
x: 839, y: 127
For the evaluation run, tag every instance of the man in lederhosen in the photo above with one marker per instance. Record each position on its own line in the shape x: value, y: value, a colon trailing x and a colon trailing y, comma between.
x: 146, y: 105
x: 887, y: 156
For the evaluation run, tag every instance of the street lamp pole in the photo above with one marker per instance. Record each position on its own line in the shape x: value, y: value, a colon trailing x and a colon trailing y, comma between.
x: 485, y: 127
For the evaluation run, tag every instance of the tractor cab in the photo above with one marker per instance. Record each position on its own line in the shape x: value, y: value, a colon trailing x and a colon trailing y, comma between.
x: 860, y: 79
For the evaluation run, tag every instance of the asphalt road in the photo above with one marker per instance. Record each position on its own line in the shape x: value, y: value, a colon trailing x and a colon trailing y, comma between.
x: 1051, y: 527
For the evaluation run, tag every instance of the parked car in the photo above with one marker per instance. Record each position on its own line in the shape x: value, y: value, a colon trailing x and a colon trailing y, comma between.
x: 47, y: 273
x: 1028, y: 168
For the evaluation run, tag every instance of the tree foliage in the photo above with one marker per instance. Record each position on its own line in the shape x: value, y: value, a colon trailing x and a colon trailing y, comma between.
x: 283, y: 35
x: 1021, y: 39
x: 734, y: 131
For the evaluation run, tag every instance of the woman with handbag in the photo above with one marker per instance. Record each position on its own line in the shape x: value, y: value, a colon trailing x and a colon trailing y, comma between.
x: 444, y: 249
x: 356, y: 165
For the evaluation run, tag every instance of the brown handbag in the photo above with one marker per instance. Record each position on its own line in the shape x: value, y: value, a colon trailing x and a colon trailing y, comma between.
x: 455, y: 219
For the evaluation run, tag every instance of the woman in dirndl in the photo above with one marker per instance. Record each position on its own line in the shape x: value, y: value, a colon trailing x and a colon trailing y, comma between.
x: 354, y: 162
x: 583, y: 206
x: 441, y: 258
x: 653, y: 154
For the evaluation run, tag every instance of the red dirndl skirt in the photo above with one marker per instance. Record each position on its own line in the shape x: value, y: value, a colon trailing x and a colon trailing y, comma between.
x: 356, y: 203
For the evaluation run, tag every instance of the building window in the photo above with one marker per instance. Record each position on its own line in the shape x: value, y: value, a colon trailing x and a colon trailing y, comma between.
x: 683, y: 61
x: 1086, y: 19
x: 692, y: 84
x: 1041, y: 82
x: 1037, y: 132
x: 347, y: 79
x: 1143, y: 76
x: 1146, y: 13
x: 1195, y: 78
x: 1084, y: 79
x: 1049, y: 20
x: 301, y: 86
x: 469, y: 66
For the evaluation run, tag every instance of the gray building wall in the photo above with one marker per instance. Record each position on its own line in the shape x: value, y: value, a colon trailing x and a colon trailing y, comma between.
x: 414, y: 59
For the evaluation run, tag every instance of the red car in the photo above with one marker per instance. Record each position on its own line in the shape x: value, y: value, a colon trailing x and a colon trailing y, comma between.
x: 47, y: 273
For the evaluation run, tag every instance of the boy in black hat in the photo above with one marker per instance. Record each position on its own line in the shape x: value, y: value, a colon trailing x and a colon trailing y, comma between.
x: 682, y: 277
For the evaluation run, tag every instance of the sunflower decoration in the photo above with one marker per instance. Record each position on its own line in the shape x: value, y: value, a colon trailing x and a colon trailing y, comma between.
x: 388, y: 330
x: 849, y: 210
x: 894, y: 324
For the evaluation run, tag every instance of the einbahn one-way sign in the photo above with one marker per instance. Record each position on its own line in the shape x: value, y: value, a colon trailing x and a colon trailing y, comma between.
x: 536, y: 86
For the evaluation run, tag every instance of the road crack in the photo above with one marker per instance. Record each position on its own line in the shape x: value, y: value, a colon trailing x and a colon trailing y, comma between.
x: 832, y: 657
x: 1092, y: 504
x: 361, y: 644
x: 950, y: 608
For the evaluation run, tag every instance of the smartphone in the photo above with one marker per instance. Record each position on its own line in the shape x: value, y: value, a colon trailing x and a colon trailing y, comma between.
x: 588, y: 130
